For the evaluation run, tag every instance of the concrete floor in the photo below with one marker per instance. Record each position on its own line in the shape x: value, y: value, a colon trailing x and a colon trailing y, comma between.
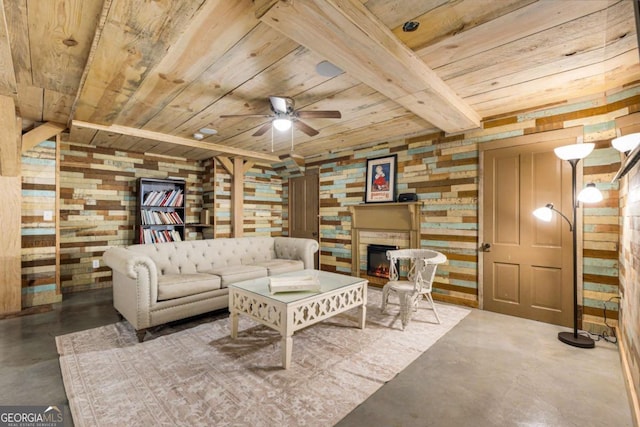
x: 490, y: 370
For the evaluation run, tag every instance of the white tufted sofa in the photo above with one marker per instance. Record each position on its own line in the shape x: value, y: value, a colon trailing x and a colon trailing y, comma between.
x: 159, y: 283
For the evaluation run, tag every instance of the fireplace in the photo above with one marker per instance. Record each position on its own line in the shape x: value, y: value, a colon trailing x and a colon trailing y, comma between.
x: 377, y: 262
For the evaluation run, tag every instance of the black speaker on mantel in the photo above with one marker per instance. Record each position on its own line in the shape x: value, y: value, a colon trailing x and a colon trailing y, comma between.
x: 407, y: 197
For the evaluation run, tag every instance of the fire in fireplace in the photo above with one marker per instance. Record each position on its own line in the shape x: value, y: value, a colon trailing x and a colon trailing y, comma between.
x: 377, y: 262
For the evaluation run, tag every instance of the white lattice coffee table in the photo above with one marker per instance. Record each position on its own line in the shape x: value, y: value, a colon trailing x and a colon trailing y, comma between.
x: 292, y: 311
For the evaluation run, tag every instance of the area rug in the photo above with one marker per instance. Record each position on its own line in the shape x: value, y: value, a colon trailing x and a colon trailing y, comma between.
x: 201, y: 377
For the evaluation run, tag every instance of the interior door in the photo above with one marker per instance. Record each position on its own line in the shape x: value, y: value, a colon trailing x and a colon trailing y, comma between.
x: 527, y: 263
x: 304, y: 201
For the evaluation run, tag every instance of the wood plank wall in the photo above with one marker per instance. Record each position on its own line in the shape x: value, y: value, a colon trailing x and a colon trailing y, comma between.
x: 97, y: 191
x: 222, y: 201
x: 436, y: 168
x: 97, y: 209
x: 208, y: 196
x: 630, y: 282
x: 444, y: 172
x: 287, y: 169
x: 263, y: 201
x: 97, y: 206
x: 39, y: 281
x: 601, y: 231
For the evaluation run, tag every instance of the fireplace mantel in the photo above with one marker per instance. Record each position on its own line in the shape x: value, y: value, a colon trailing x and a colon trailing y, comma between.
x: 383, y: 217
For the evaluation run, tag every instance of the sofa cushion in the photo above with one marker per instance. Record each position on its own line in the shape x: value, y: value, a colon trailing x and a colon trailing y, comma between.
x: 198, y: 256
x: 279, y: 266
x: 181, y: 285
x: 238, y: 273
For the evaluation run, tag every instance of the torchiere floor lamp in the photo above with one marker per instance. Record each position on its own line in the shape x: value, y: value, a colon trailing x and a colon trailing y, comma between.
x: 573, y: 154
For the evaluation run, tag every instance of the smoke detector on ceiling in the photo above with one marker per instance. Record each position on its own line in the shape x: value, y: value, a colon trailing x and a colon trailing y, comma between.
x: 202, y: 132
x: 327, y: 69
x: 208, y: 131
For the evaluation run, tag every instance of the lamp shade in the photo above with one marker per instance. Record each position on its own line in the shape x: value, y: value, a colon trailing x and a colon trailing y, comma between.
x: 590, y: 194
x: 282, y: 124
x: 545, y: 213
x: 574, y: 151
x: 626, y: 143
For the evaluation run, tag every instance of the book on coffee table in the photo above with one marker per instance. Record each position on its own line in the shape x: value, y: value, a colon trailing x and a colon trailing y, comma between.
x: 294, y: 284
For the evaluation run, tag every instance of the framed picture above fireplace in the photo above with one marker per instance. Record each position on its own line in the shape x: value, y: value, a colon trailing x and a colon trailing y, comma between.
x: 381, y: 179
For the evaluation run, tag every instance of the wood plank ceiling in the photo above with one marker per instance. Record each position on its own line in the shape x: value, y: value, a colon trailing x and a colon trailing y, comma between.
x: 144, y: 75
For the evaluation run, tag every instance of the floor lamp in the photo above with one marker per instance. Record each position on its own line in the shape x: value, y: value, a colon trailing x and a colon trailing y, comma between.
x: 573, y: 154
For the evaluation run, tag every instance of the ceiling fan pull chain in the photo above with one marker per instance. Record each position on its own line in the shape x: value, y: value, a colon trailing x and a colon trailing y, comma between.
x: 292, y: 139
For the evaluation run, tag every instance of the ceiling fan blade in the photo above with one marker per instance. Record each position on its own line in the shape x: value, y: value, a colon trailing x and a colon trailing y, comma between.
x: 227, y: 116
x: 263, y: 129
x: 319, y: 114
x: 281, y: 104
x: 302, y: 126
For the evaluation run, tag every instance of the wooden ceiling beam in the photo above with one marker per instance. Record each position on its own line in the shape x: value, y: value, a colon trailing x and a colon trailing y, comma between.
x: 226, y: 163
x: 178, y: 140
x: 41, y: 133
x: 229, y: 165
x: 347, y: 34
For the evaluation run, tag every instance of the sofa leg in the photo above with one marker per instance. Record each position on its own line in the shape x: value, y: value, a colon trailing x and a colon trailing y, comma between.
x: 140, y: 334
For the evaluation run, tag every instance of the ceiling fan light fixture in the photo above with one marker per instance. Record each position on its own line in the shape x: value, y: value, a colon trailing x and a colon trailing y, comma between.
x: 282, y: 124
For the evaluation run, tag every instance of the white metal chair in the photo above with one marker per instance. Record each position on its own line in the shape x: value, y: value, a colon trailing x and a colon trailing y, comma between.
x: 422, y: 265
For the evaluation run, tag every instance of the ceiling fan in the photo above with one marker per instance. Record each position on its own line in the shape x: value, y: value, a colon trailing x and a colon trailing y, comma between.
x: 285, y: 115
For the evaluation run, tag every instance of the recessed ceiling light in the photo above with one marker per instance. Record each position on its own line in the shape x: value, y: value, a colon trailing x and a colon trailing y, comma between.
x: 208, y: 131
x: 198, y: 136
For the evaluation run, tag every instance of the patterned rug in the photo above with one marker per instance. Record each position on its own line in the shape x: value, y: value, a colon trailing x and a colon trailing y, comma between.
x: 201, y: 377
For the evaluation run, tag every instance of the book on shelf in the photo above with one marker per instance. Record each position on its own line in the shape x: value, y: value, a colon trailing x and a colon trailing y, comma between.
x: 179, y: 199
x: 163, y: 198
x: 160, y: 218
x: 305, y: 283
x: 173, y: 199
x: 160, y: 236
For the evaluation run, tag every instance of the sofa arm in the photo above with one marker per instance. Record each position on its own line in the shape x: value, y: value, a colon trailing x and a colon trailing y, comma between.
x: 128, y: 263
x: 135, y: 285
x: 297, y: 249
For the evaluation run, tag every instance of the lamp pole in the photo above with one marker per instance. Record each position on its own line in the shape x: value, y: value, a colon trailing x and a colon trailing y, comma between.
x: 567, y: 337
x: 573, y: 153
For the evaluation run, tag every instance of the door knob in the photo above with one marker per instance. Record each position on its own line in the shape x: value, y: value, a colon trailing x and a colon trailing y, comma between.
x: 485, y: 247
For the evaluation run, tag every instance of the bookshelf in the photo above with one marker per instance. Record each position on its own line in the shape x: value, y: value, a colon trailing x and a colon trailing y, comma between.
x: 161, y: 210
